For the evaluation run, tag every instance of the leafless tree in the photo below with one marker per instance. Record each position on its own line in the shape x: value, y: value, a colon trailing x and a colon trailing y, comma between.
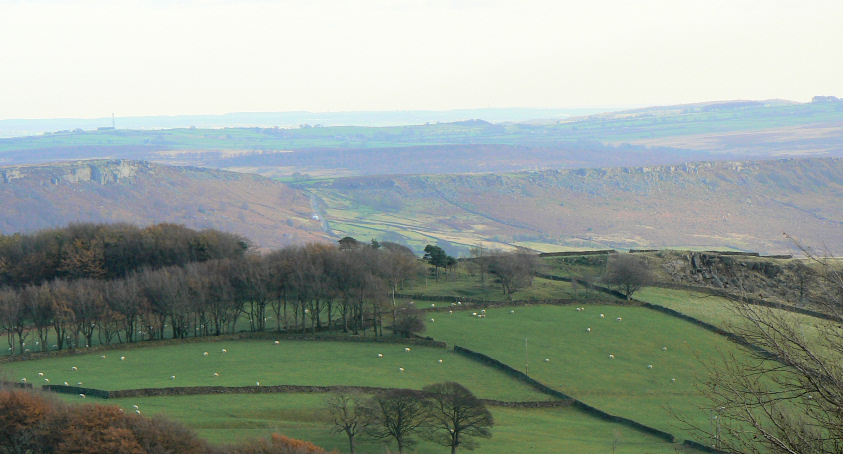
x: 628, y: 273
x: 396, y: 414
x: 787, y: 396
x: 456, y: 416
x: 346, y: 416
x: 513, y: 270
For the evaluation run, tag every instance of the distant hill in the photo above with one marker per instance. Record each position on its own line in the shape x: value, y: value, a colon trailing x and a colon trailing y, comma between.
x: 268, y: 212
x: 741, y: 205
x: 715, y: 131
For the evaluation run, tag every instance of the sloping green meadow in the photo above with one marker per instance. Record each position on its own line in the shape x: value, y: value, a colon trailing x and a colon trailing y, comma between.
x: 247, y: 362
x: 231, y: 418
x: 570, y: 350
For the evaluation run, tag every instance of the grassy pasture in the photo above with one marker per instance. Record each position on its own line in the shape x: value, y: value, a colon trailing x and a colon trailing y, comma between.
x: 578, y: 360
x: 230, y: 418
x: 289, y: 363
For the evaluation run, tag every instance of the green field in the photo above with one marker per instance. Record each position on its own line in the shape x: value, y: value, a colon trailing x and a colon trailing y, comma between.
x: 578, y: 360
x: 577, y: 364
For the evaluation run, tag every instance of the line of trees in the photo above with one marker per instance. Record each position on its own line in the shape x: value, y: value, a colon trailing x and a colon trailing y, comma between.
x: 446, y: 413
x: 315, y: 287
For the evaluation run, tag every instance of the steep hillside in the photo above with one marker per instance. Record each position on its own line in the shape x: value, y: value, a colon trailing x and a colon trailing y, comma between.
x: 735, y: 205
x: 269, y: 213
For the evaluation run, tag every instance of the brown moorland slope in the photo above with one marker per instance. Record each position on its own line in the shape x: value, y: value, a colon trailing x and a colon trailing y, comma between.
x: 40, y: 196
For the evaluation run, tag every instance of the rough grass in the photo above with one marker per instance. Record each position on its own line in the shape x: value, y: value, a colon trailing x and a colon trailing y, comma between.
x: 578, y: 361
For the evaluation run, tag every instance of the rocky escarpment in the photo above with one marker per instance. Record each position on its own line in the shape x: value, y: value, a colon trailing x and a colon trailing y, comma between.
x: 98, y: 171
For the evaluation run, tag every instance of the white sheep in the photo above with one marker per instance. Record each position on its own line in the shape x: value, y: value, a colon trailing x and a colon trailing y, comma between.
x: 407, y: 349
x: 172, y: 377
x: 649, y: 366
x: 137, y: 411
x: 46, y: 380
x: 224, y: 351
x: 474, y: 314
x: 618, y: 319
x: 400, y: 369
x: 440, y: 361
x: 135, y: 406
x: 588, y: 330
x: 122, y: 358
x: 82, y: 395
x: 512, y: 311
x: 547, y: 360
x: 23, y: 380
x: 40, y: 374
x: 602, y: 316
x: 79, y: 383
x: 205, y: 354
x: 481, y: 316
x: 483, y: 311
x: 450, y: 312
x: 673, y: 379
x: 277, y: 342
x: 216, y: 375
x: 432, y: 304
x: 611, y: 356
x: 380, y: 355
x: 74, y: 369
x: 578, y: 309
x: 66, y: 384
x: 459, y: 303
x: 664, y: 349
x: 102, y: 357
x: 433, y: 320
x: 257, y: 383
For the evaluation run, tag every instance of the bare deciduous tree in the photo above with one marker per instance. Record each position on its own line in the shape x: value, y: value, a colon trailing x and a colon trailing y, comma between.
x: 456, y: 416
x: 396, y: 414
x: 346, y: 416
x: 628, y: 273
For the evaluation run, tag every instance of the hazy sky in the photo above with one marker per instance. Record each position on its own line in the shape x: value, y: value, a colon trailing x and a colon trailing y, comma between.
x: 89, y: 58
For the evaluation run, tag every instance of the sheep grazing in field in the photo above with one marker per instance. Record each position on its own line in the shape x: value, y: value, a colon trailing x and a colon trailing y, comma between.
x: 432, y: 304
x: 512, y: 311
x: 482, y: 311
x: 481, y: 316
x: 578, y: 309
x: 664, y: 349
x: 611, y: 356
x: 257, y: 383
x: 135, y: 406
x: 205, y: 354
x: 122, y: 358
x: 66, y: 384
x: 46, y: 380
x: 74, y: 368
x: 216, y: 375
x: 102, y: 357
x: 433, y: 320
x: 172, y: 377
x: 672, y: 379
x: 400, y: 369
x: 40, y: 374
x: 474, y: 314
x: 23, y: 380
x: 380, y: 355
x: 82, y: 395
x: 277, y: 342
x: 618, y: 319
x: 224, y: 351
x: 588, y: 330
x: 137, y: 411
x: 602, y: 316
x: 547, y: 360
x: 459, y: 303
x: 407, y: 349
x: 450, y: 312
x: 649, y: 366
x: 79, y: 383
x: 440, y: 361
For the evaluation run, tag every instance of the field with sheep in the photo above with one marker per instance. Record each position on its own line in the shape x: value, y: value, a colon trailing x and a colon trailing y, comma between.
x: 625, y: 360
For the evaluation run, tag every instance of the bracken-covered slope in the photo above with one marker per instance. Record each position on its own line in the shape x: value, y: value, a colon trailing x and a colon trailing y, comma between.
x: 269, y: 213
x: 735, y: 205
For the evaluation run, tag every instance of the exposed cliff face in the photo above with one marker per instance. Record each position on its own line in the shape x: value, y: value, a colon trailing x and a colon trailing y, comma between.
x: 101, y: 172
